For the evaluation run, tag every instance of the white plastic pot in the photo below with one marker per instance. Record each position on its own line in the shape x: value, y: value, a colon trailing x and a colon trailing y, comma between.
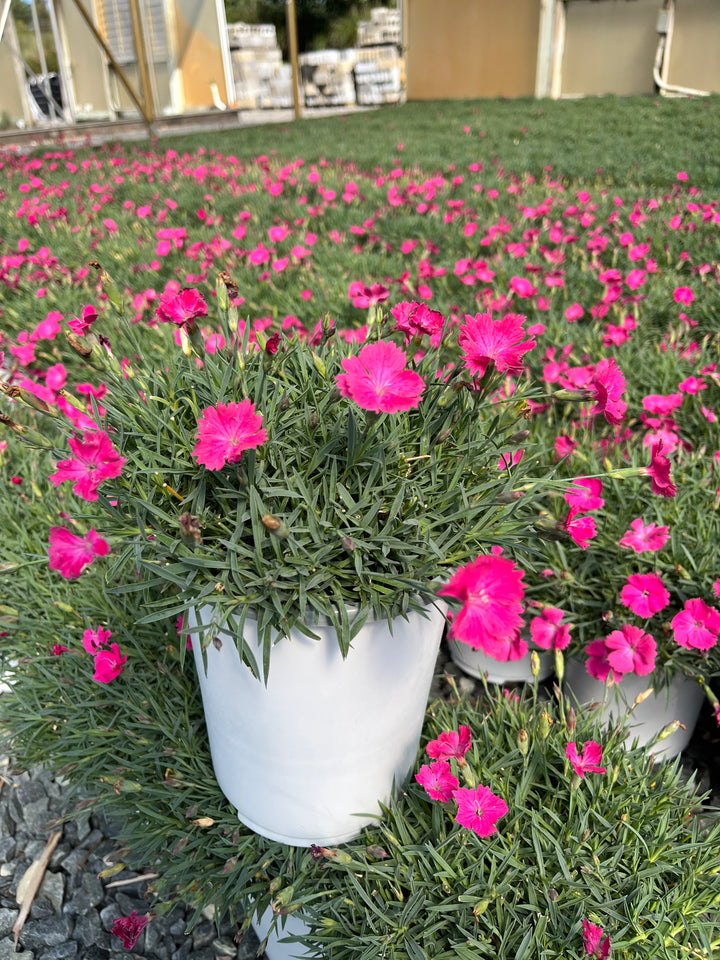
x: 680, y: 700
x: 478, y: 664
x: 309, y: 757
x: 276, y: 949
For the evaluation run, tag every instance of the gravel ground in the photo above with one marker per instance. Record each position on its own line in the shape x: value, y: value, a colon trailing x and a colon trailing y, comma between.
x: 73, y: 910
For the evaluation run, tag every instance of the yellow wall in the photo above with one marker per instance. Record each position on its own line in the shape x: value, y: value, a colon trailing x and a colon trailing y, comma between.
x: 471, y: 48
x: 609, y: 47
x: 198, y: 52
x: 83, y: 59
x: 11, y: 103
x: 694, y: 55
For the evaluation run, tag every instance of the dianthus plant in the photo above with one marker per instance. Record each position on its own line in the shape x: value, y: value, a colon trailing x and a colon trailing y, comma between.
x: 529, y: 832
x: 342, y: 474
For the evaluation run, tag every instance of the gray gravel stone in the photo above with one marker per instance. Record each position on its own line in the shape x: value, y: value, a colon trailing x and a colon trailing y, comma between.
x: 63, y: 951
x: 89, y: 931
x: 89, y: 894
x: 50, y: 932
x: 53, y: 887
x: 7, y: 951
x: 7, y: 919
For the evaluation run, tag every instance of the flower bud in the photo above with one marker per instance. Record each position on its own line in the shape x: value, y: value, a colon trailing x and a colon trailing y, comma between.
x: 570, y: 721
x: 670, y: 729
x: 15, y: 427
x: 544, y: 724
x: 480, y: 908
x: 283, y: 898
x: 79, y: 345
x: 319, y: 365
x: 275, y: 884
x: 190, y: 529
x: 276, y: 526
x: 535, y: 664
x: 641, y: 697
x: 559, y: 665
x: 522, y: 742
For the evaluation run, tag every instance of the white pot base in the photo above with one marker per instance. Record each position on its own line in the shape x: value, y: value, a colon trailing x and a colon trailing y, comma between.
x: 477, y: 664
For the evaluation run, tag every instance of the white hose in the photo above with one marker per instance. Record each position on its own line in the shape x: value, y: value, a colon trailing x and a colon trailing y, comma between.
x: 669, y: 88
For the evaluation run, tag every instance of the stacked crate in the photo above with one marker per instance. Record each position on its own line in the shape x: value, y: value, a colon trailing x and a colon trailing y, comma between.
x: 383, y: 27
x: 327, y: 78
x: 379, y: 75
x: 261, y: 79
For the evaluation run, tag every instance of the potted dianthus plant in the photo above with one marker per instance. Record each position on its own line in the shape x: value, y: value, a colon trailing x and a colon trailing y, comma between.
x: 306, y: 507
x: 638, y: 582
x: 527, y: 830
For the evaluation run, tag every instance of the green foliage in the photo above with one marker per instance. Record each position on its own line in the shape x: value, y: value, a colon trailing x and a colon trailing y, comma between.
x: 625, y: 850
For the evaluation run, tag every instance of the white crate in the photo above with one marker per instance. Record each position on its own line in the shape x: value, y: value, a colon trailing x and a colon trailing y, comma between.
x: 243, y: 35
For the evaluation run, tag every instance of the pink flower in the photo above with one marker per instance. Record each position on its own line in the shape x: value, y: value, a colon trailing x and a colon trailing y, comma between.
x: 588, y: 761
x: 683, y: 295
x: 80, y: 325
x: 364, y: 297
x: 376, y: 379
x: 437, y: 780
x: 491, y: 592
x: 479, y: 809
x: 485, y: 341
x: 108, y: 664
x: 94, y: 640
x: 417, y: 319
x: 450, y: 743
x: 548, y: 632
x: 641, y: 538
x: 581, y: 529
x: 585, y: 494
x: 631, y: 651
x: 608, y: 384
x: 225, y: 430
x: 644, y: 594
x: 95, y: 460
x: 598, y: 664
x: 182, y: 307
x: 659, y: 472
x: 71, y: 554
x: 697, y: 625
x: 58, y: 649
x: 596, y: 944
x: 128, y: 929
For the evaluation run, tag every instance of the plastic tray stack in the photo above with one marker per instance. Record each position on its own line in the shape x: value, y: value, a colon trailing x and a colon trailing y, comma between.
x: 262, y: 80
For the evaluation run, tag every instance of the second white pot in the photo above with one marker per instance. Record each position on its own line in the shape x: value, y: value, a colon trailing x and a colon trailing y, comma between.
x: 680, y: 700
x: 478, y: 664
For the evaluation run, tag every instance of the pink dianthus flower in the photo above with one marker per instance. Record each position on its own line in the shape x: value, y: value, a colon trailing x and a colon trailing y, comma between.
x: 484, y: 341
x: 225, y: 430
x: 595, y: 941
x: 377, y: 380
x: 479, y: 809
x: 645, y: 594
x: 181, y: 308
x: 94, y: 640
x: 547, y: 630
x: 641, y: 538
x: 697, y: 625
x: 608, y: 384
x: 95, y: 460
x: 108, y: 663
x: 128, y: 929
x: 491, y: 592
x: 598, y: 664
x: 581, y: 529
x: 630, y: 650
x: 586, y: 762
x: 450, y: 743
x: 437, y: 780
x: 584, y: 494
x: 659, y: 472
x: 70, y: 554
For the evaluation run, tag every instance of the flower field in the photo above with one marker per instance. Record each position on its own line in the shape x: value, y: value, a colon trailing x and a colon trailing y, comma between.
x: 593, y: 301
